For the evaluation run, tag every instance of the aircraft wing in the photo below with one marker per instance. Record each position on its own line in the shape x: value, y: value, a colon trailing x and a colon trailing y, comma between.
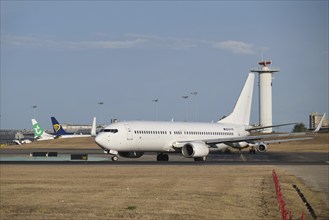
x: 252, y: 139
x: 272, y: 126
x: 248, y: 139
x: 286, y: 140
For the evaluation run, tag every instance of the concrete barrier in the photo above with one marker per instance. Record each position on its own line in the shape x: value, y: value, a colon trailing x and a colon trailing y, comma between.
x: 52, y: 154
x: 38, y: 154
x: 79, y: 156
x: 44, y: 154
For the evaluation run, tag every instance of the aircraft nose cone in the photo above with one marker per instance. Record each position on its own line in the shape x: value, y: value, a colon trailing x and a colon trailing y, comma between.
x: 100, y: 140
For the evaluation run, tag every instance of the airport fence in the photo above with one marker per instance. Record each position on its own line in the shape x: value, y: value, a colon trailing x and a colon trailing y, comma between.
x: 285, y: 215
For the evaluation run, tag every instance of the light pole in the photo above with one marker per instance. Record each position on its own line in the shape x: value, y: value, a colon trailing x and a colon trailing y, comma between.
x: 185, y: 97
x: 101, y: 104
x: 195, y: 106
x: 34, y: 107
x: 155, y: 108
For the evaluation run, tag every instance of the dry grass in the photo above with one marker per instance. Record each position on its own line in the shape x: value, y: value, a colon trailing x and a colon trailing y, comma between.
x: 148, y: 192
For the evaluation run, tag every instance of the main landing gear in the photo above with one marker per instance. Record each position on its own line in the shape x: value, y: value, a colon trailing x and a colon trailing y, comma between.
x: 162, y: 157
x: 252, y: 150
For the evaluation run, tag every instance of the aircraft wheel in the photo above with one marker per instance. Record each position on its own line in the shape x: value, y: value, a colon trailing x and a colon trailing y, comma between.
x: 114, y: 158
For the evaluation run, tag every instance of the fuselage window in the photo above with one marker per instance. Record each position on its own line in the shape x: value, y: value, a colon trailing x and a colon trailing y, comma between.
x: 111, y: 130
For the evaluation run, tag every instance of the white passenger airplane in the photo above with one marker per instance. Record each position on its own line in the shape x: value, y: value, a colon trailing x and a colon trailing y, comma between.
x: 131, y: 139
x: 40, y: 134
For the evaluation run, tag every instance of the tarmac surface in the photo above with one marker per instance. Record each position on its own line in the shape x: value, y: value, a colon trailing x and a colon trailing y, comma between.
x: 95, y: 156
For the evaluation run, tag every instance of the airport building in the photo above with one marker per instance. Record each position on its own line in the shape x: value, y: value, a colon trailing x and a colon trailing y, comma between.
x: 315, y: 119
x: 76, y: 128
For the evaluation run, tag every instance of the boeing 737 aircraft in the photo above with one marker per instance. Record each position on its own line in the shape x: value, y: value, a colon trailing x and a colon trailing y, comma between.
x: 40, y: 134
x: 132, y: 138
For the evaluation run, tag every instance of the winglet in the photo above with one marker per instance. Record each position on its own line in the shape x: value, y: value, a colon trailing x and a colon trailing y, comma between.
x: 320, y: 124
x: 93, y: 128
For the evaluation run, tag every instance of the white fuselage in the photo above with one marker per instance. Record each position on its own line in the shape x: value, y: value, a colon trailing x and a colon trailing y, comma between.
x: 163, y: 136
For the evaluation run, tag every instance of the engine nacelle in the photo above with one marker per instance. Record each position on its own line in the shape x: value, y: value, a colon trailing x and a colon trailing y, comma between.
x: 195, y: 149
x: 131, y: 154
x: 261, y: 147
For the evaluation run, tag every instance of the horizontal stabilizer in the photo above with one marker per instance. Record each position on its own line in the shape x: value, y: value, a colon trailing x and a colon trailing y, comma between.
x: 264, y: 127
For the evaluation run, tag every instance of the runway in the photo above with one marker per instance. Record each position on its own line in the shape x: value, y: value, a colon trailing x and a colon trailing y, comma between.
x: 95, y: 156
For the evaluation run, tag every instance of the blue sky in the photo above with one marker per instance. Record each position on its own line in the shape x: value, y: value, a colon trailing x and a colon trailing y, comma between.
x: 66, y: 56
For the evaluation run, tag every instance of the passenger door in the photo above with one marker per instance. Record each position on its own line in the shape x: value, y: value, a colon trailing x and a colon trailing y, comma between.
x: 129, y: 132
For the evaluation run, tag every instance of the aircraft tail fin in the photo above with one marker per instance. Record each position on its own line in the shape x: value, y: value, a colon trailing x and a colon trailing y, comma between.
x: 39, y: 132
x: 242, y: 109
x: 93, y: 128
x: 58, y: 130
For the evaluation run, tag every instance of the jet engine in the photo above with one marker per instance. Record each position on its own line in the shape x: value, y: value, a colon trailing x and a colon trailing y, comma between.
x: 261, y: 147
x: 195, y: 149
x: 131, y: 154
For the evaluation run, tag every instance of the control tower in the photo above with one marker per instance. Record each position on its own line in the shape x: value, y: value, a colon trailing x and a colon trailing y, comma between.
x: 265, y: 93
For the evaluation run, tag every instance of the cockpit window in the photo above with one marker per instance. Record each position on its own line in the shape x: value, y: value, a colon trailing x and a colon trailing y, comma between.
x: 111, y: 130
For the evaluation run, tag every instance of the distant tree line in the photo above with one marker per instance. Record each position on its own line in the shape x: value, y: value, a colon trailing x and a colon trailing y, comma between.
x: 299, y: 127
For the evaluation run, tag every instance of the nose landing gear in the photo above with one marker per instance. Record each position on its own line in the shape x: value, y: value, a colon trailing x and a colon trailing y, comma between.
x: 114, y: 158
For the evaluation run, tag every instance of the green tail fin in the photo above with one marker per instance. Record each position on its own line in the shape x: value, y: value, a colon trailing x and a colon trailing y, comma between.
x: 38, y: 130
